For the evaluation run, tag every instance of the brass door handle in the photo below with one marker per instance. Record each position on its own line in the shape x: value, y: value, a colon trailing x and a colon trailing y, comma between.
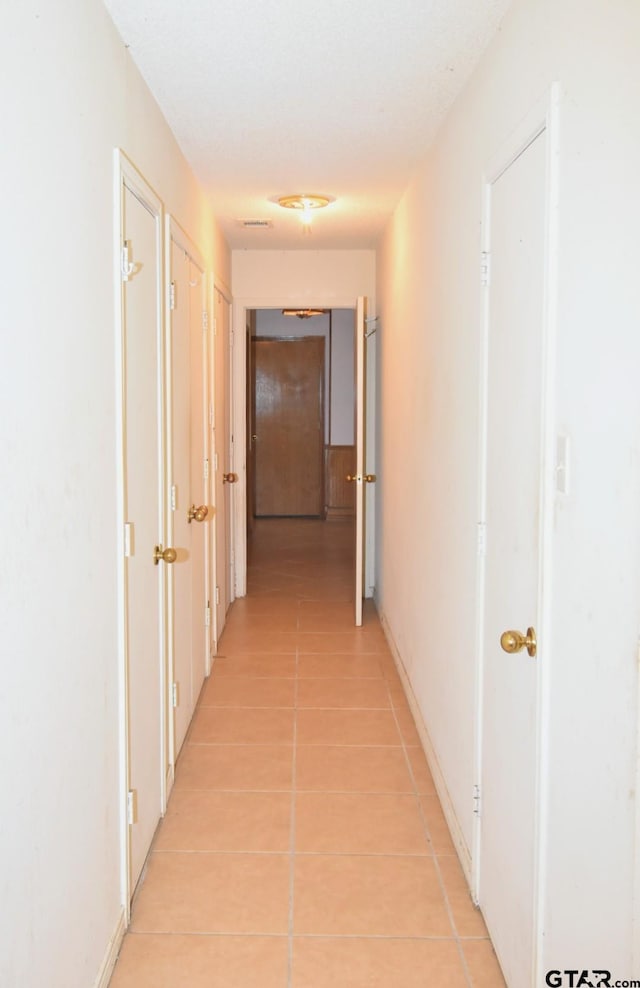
x: 350, y: 478
x: 167, y: 555
x: 197, y: 514
x: 229, y: 478
x: 515, y: 641
x: 370, y: 478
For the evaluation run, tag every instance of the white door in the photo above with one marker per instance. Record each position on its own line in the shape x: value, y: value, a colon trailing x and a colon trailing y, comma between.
x: 201, y: 510
x: 516, y: 217
x: 224, y: 477
x: 143, y: 501
x: 180, y: 491
x: 360, y: 477
x: 188, y: 501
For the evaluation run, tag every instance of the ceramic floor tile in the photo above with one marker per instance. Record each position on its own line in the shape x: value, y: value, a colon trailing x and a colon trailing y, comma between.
x: 359, y: 824
x: 344, y: 895
x: 213, y: 893
x: 337, y: 617
x: 327, y: 692
x: 250, y: 664
x: 437, y: 825
x: 483, y: 964
x: 157, y: 961
x: 338, y: 666
x: 420, y: 771
x: 271, y: 620
x: 355, y: 641
x: 247, y: 691
x: 242, y: 725
x: 226, y: 821
x: 467, y: 918
x: 345, y: 727
x: 408, y: 730
x: 324, y: 962
x: 352, y: 769
x: 236, y: 643
x: 235, y: 767
x: 246, y: 608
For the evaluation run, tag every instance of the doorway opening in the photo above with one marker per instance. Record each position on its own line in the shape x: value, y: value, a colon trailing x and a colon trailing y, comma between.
x: 300, y: 415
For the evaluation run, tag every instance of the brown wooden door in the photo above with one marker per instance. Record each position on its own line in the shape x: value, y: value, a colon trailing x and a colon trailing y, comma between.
x: 289, y: 425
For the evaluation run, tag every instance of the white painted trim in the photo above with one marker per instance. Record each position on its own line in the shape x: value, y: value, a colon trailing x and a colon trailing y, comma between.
x: 168, y: 390
x: 430, y: 754
x: 635, y: 949
x: 111, y: 955
x: 543, y: 118
x: 126, y: 174
x: 121, y: 579
x: 547, y: 514
x: 239, y: 362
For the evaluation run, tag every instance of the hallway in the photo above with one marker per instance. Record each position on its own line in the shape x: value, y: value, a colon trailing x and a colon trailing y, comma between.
x: 303, y: 845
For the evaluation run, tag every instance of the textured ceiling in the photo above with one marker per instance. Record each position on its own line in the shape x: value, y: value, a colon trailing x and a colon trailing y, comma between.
x: 270, y: 97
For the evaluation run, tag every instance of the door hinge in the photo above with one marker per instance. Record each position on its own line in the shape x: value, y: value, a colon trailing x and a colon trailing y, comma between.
x: 207, y: 616
x: 482, y: 539
x: 175, y: 694
x: 132, y: 806
x: 174, y: 497
x: 485, y: 268
x: 205, y: 319
x: 476, y: 801
x: 206, y: 469
x: 172, y: 295
x: 126, y: 264
x: 217, y: 595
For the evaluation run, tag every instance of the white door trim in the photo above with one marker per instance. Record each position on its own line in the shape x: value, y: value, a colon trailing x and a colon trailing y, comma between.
x: 240, y: 308
x: 127, y: 175
x: 543, y: 118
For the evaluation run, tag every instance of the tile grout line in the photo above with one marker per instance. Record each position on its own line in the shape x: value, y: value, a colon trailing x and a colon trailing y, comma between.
x: 292, y: 836
x: 436, y: 863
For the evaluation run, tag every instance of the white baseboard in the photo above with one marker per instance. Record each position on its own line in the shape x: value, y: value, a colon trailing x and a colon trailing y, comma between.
x: 438, y: 778
x: 111, y: 955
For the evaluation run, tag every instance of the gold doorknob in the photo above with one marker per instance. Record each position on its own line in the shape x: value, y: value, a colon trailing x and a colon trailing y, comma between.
x: 351, y: 478
x: 515, y: 641
x: 197, y: 514
x: 167, y: 555
x: 370, y: 478
x: 229, y: 478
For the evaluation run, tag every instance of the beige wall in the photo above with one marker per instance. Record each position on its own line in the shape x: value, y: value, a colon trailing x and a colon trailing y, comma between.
x: 329, y: 278
x: 71, y: 96
x: 429, y: 300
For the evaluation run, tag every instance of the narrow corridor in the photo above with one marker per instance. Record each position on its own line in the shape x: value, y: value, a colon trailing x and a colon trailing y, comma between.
x: 304, y: 845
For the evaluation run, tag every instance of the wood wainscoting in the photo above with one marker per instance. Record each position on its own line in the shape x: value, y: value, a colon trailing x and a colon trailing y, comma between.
x: 339, y: 493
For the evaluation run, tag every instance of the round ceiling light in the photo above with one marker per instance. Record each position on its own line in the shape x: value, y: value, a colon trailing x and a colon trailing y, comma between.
x: 305, y: 202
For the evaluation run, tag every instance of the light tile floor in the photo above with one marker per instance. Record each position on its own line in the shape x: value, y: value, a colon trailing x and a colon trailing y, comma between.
x: 304, y: 845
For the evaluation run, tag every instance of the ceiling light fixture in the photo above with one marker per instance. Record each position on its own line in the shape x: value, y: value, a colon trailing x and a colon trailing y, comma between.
x: 305, y: 203
x: 304, y: 313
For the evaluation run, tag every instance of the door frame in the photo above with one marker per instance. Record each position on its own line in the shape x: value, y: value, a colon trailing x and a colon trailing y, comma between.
x: 126, y: 174
x: 542, y: 118
x: 218, y: 287
x: 240, y: 310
